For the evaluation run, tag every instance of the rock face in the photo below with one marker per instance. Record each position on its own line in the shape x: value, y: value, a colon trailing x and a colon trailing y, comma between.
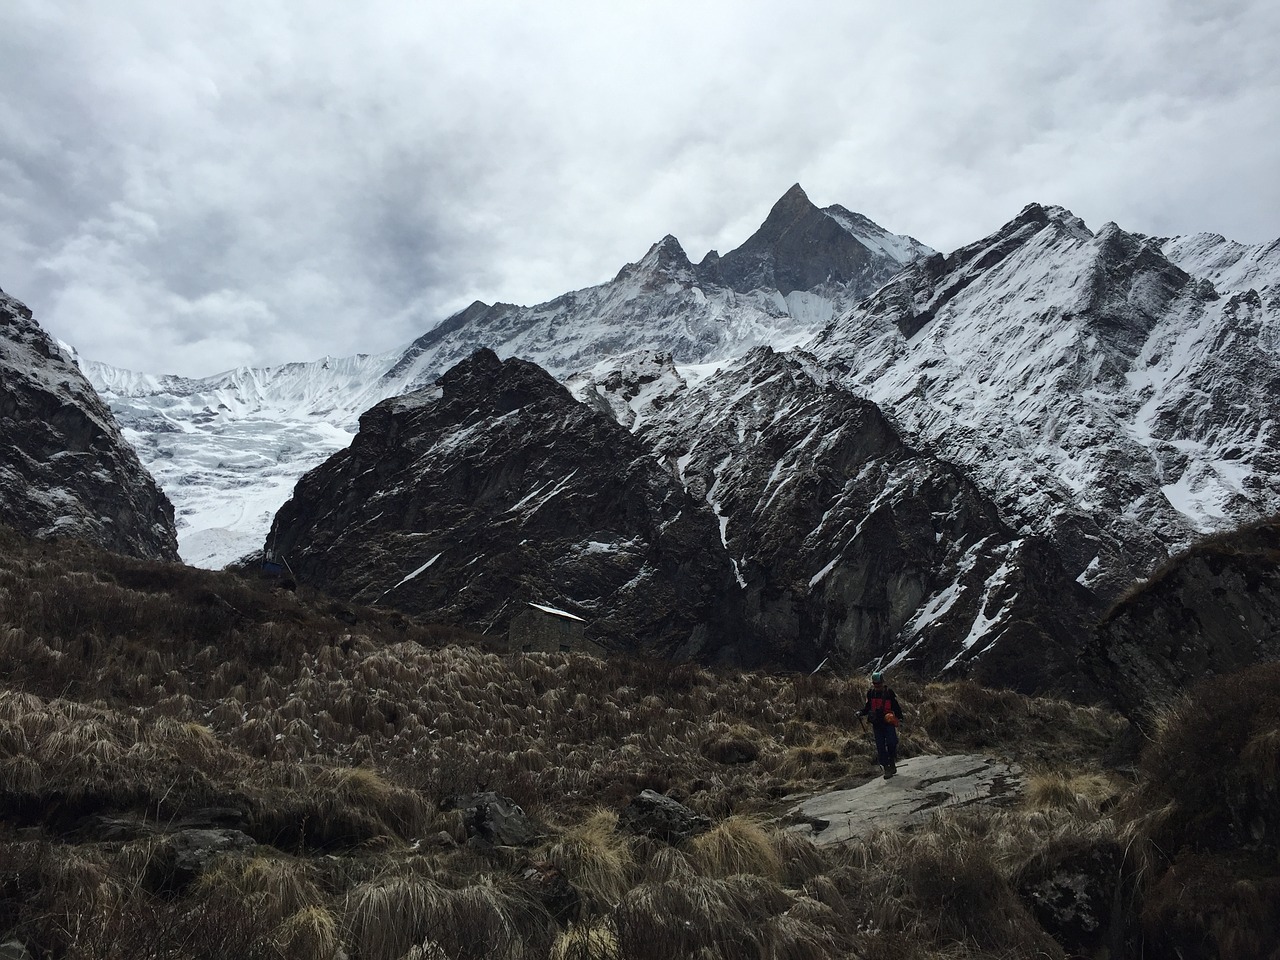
x: 800, y: 247
x: 497, y: 488
x: 65, y: 469
x: 1212, y: 610
x: 847, y: 541
x: 923, y: 786
x: 766, y: 515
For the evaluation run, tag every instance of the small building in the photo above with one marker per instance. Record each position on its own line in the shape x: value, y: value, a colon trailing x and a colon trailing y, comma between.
x: 545, y: 629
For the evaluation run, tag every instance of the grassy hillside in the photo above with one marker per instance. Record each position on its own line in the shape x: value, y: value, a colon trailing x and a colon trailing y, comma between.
x: 194, y: 764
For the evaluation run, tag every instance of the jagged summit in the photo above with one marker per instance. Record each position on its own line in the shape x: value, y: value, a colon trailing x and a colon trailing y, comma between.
x: 665, y: 260
x: 800, y: 247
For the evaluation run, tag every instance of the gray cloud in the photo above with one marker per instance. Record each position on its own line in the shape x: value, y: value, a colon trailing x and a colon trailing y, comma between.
x: 189, y: 187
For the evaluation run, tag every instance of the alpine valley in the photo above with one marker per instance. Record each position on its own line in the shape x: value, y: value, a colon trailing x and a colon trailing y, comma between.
x: 831, y: 442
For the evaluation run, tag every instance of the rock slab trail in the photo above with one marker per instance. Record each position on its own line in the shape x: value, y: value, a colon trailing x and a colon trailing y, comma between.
x: 923, y: 786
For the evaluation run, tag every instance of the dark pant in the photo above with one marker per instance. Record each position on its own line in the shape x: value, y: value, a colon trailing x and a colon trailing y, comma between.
x: 886, y: 743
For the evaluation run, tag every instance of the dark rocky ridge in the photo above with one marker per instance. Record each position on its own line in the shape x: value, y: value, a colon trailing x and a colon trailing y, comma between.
x: 1209, y: 611
x: 65, y: 469
x: 497, y: 488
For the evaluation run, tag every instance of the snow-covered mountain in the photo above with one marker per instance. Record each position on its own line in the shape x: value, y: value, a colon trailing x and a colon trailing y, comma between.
x: 956, y: 463
x: 229, y: 448
x: 1108, y: 398
x: 1114, y: 404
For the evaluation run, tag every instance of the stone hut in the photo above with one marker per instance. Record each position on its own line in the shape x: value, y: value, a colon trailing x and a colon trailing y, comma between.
x: 548, y: 630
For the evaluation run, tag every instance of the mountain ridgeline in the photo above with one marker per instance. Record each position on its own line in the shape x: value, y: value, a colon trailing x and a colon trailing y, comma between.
x: 829, y: 442
x: 242, y: 437
x: 960, y: 472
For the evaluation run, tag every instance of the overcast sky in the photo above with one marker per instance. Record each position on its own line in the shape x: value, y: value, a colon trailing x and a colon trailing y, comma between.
x: 186, y: 187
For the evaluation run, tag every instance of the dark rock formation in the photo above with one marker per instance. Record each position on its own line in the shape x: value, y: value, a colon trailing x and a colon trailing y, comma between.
x: 65, y: 469
x: 497, y: 488
x: 492, y: 818
x: 1081, y: 898
x: 1212, y: 610
x: 847, y: 541
x: 661, y: 818
x: 766, y: 517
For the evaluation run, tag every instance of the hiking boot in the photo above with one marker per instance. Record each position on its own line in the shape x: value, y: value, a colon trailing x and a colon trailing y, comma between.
x: 888, y: 772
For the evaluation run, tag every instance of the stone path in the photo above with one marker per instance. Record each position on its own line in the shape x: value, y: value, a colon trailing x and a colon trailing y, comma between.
x: 923, y: 786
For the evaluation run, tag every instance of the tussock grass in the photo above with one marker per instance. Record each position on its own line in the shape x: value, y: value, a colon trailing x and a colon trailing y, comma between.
x: 1204, y: 822
x: 596, y: 857
x: 275, y: 887
x: 736, y: 845
x: 309, y: 934
x: 581, y: 942
x: 147, y: 693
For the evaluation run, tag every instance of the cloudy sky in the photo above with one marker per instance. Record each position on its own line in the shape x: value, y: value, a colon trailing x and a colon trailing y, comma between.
x: 189, y: 187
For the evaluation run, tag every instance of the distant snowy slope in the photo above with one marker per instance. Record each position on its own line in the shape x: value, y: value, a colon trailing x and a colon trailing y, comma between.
x: 229, y: 448
x: 1232, y: 267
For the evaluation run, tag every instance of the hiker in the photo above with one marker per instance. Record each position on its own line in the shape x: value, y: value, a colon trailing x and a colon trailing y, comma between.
x: 882, y: 707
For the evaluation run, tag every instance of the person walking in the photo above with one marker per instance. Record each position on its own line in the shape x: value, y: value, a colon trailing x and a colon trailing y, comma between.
x: 885, y: 715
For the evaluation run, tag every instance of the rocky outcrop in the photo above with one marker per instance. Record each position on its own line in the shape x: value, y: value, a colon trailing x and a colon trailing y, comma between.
x: 654, y: 815
x: 764, y: 515
x: 923, y: 786
x: 497, y: 488
x: 845, y: 540
x: 65, y: 469
x: 1212, y: 610
x: 491, y: 818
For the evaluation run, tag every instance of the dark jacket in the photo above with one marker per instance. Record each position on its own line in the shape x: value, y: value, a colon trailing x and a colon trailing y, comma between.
x: 878, y: 701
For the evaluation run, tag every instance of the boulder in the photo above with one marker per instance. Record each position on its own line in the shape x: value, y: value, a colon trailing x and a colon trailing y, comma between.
x: 1076, y: 896
x: 662, y: 818
x: 492, y: 818
x: 187, y: 853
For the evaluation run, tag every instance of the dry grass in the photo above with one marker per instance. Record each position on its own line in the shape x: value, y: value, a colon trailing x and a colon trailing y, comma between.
x: 1204, y: 822
x: 146, y: 693
x: 595, y: 857
x: 736, y: 845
